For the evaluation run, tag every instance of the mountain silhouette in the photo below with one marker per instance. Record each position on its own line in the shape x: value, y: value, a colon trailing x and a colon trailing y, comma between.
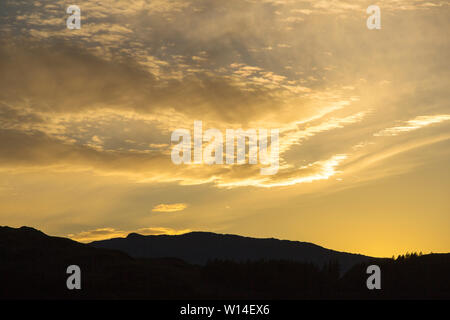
x: 34, y: 265
x: 200, y: 247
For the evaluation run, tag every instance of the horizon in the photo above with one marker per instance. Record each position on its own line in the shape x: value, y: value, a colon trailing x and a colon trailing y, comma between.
x: 91, y: 99
x: 125, y: 236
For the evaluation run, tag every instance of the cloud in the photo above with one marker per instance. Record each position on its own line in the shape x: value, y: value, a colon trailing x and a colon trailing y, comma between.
x: 365, y: 159
x: 112, y: 117
x: 109, y: 233
x: 36, y: 151
x: 174, y: 207
x: 295, y: 136
x: 414, y: 124
x: 63, y: 78
x: 290, y: 175
x: 105, y: 99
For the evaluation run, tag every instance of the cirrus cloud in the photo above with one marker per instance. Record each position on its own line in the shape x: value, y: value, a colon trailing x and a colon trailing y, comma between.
x: 174, y: 207
x: 109, y: 233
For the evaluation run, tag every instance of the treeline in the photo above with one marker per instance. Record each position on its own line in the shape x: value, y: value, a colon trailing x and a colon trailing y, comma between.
x: 269, y: 279
x: 106, y: 277
x: 33, y: 266
x: 408, y: 276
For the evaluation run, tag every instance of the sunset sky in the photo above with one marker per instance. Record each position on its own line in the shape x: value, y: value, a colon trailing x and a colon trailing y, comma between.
x: 86, y: 118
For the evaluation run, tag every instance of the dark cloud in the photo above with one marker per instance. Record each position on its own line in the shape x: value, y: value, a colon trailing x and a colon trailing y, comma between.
x: 62, y: 78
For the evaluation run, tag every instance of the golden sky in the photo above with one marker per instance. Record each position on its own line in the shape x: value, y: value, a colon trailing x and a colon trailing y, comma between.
x: 86, y: 118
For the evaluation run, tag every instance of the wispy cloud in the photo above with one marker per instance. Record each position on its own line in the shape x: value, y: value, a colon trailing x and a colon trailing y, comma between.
x: 174, y: 207
x: 414, y: 124
x: 108, y: 233
x: 319, y: 170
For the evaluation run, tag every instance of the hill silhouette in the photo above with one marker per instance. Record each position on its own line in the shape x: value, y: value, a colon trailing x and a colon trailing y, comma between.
x: 33, y: 266
x: 201, y: 247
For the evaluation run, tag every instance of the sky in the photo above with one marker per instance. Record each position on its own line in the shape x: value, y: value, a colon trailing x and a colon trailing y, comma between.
x: 86, y: 117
